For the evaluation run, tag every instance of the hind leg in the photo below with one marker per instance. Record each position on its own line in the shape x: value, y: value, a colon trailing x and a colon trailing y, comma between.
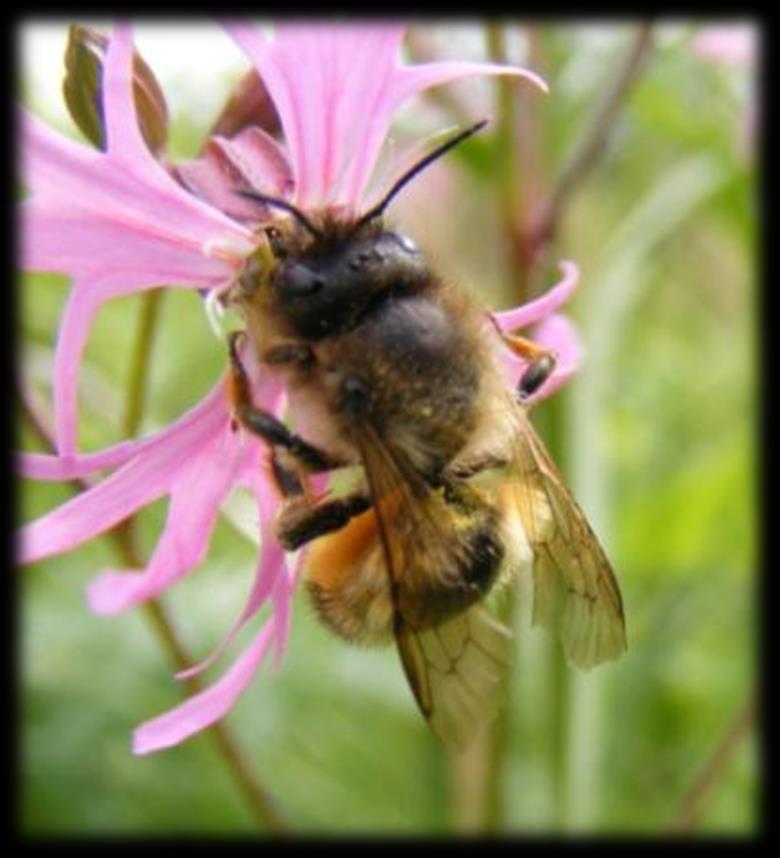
x: 302, y: 519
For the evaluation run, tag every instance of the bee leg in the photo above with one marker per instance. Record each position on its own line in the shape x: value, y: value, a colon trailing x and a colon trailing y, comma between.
x: 302, y: 520
x: 541, y: 363
x: 266, y: 425
x: 535, y: 375
x: 286, y: 480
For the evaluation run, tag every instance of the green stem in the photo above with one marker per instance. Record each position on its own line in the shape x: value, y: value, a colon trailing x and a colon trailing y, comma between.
x: 592, y: 143
x: 693, y: 802
x: 510, y: 190
x: 577, y: 698
x: 141, y: 362
x: 257, y: 795
x: 581, y: 732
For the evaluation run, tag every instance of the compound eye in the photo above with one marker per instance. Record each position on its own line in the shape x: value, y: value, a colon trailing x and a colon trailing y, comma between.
x: 275, y: 240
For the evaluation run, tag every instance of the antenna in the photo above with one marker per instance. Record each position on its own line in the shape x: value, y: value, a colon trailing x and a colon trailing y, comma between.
x: 418, y: 168
x: 277, y: 203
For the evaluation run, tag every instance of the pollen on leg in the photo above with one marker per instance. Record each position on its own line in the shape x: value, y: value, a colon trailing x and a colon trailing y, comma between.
x: 337, y: 557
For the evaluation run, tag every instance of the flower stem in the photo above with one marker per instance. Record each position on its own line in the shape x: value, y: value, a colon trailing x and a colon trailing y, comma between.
x: 258, y: 797
x: 139, y: 368
x: 510, y: 189
x: 593, y: 142
x: 256, y: 794
x: 579, y: 777
x: 692, y: 804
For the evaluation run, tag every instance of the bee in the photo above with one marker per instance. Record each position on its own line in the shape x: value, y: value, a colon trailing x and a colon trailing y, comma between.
x: 395, y: 374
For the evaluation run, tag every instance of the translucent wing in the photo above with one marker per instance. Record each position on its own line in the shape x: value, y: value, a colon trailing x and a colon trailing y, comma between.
x: 454, y: 668
x: 576, y: 595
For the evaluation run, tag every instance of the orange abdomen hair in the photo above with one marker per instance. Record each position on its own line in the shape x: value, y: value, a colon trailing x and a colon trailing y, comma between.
x: 347, y: 579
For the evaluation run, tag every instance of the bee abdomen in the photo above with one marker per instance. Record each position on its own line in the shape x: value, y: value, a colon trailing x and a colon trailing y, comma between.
x: 475, y: 568
x: 440, y: 573
x: 365, y: 618
x: 348, y: 583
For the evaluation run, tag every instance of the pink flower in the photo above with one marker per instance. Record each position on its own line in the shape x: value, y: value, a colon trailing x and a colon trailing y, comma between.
x: 734, y: 45
x: 726, y: 44
x: 119, y: 222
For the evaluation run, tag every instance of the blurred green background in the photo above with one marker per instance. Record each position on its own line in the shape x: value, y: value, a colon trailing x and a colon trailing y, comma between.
x: 656, y: 436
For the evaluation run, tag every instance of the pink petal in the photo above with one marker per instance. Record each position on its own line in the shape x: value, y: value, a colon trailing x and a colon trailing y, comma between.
x: 260, y: 51
x: 195, y: 498
x: 126, y: 144
x: 87, y: 295
x: 253, y: 159
x: 271, y: 569
x: 92, y: 211
x: 406, y: 82
x: 554, y: 332
x: 39, y: 466
x: 75, y: 324
x: 282, y: 599
x: 535, y: 311
x: 72, y: 185
x: 336, y: 89
x: 83, y: 304
x: 65, y: 238
x: 142, y: 479
x: 277, y: 582
x: 560, y: 336
x: 210, y: 705
x: 727, y: 44
x: 123, y: 134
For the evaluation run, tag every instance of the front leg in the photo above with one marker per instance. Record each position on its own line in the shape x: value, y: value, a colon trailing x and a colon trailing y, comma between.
x: 301, y: 518
x: 541, y: 364
x: 535, y: 375
x: 266, y: 425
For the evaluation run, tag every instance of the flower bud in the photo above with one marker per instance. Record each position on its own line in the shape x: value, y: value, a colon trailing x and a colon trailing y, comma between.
x: 248, y: 105
x: 83, y: 90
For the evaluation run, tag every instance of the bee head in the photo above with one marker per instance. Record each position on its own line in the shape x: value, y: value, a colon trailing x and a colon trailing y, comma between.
x: 327, y: 288
x: 332, y: 273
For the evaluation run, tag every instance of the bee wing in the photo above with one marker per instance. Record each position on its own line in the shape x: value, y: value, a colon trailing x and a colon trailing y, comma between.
x: 455, y: 671
x: 576, y: 594
x: 455, y: 668
x: 407, y: 525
